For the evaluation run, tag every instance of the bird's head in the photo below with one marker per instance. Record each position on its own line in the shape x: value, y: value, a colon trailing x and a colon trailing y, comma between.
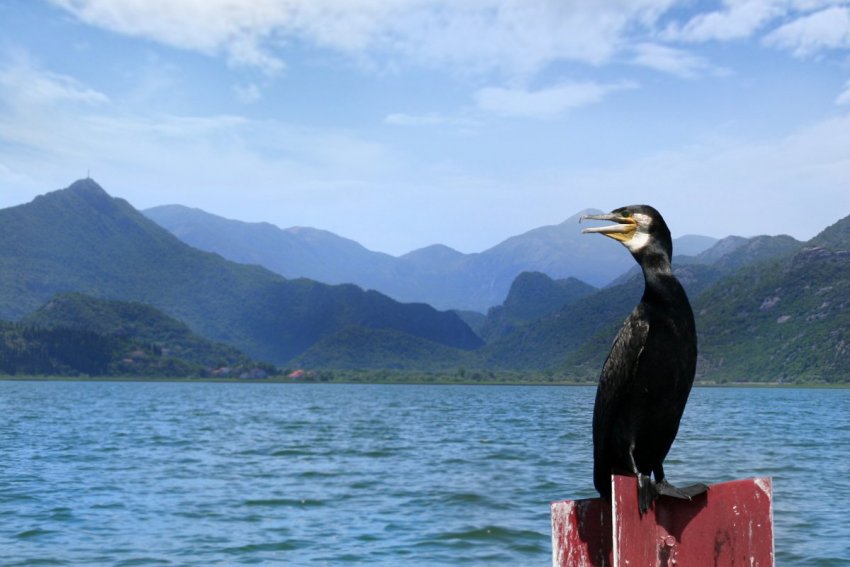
x: 639, y: 228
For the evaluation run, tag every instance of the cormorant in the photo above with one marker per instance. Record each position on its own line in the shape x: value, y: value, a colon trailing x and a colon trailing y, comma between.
x: 648, y: 374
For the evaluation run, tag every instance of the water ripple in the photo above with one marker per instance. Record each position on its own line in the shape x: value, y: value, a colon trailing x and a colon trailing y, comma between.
x: 98, y: 473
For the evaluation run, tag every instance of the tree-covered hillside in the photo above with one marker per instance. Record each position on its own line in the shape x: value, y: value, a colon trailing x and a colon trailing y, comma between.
x: 80, y: 239
x: 77, y: 335
x: 532, y: 295
x: 767, y: 308
x: 787, y: 321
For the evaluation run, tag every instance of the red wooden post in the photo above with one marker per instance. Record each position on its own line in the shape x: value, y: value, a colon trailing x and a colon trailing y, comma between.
x: 730, y: 525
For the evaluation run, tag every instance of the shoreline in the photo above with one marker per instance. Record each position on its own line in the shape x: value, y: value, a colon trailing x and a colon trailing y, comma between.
x: 401, y: 382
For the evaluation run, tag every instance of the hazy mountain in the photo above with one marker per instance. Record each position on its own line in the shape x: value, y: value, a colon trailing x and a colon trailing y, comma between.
x: 81, y: 239
x: 294, y: 252
x: 693, y: 244
x: 724, y: 257
x: 437, y: 274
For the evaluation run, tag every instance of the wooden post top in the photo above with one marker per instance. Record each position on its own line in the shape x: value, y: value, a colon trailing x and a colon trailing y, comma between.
x: 730, y: 525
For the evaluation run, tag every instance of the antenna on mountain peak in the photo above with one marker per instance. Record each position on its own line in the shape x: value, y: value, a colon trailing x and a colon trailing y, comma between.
x: 88, y: 173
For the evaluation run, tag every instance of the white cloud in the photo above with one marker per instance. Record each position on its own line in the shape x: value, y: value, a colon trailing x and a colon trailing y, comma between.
x: 24, y: 82
x: 248, y: 94
x: 738, y: 19
x: 671, y: 60
x: 807, y: 35
x: 236, y: 29
x: 548, y: 102
x: 844, y: 97
x: 510, y: 36
x: 47, y: 139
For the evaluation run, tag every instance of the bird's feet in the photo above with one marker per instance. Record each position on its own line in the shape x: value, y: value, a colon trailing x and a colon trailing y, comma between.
x: 664, y: 488
x: 649, y: 491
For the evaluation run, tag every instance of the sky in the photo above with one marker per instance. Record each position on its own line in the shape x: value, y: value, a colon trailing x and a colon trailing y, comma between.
x: 406, y: 123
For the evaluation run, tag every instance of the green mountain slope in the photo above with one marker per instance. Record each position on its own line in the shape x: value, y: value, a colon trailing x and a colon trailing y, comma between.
x: 56, y: 352
x: 356, y: 348
x: 532, y: 295
x: 80, y: 239
x: 546, y: 342
x: 787, y: 321
x: 774, y: 311
x: 577, y: 338
x: 835, y: 236
x: 74, y: 334
x: 143, y: 324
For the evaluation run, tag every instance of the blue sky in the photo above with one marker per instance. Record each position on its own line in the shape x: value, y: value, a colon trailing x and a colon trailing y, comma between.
x: 404, y: 123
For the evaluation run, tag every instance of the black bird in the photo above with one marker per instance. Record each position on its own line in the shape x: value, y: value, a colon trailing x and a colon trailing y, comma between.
x: 649, y: 372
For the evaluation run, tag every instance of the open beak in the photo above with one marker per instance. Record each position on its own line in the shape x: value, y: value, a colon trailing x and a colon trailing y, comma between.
x: 622, y: 231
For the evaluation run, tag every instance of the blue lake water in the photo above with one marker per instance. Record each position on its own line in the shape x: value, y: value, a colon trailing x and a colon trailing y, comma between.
x: 111, y: 473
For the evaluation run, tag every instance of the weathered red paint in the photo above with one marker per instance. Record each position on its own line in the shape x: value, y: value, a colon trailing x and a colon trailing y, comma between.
x: 581, y: 533
x: 729, y: 526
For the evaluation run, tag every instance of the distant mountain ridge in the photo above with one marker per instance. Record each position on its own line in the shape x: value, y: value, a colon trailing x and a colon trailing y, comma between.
x: 81, y: 239
x: 768, y: 308
x: 437, y: 274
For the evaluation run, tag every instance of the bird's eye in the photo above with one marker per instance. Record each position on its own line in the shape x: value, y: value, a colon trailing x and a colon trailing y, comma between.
x: 627, y: 214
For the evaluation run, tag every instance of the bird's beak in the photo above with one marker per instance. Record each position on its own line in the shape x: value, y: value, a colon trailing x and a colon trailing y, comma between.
x: 622, y: 231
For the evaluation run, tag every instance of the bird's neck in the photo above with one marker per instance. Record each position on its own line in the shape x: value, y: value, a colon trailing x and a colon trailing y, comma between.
x: 660, y: 283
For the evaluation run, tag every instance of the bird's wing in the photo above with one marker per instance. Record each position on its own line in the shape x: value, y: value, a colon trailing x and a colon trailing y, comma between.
x: 618, y: 374
x: 622, y: 362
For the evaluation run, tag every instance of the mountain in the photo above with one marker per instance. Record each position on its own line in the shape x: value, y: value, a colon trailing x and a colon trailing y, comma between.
x: 750, y: 251
x: 75, y: 334
x: 768, y: 308
x: 355, y: 348
x: 55, y: 352
x: 724, y: 257
x: 577, y: 337
x: 80, y: 239
x: 545, y: 342
x: 437, y: 275
x: 532, y: 295
x: 834, y: 237
x: 693, y: 244
x: 139, y: 322
x: 787, y: 321
x: 295, y: 252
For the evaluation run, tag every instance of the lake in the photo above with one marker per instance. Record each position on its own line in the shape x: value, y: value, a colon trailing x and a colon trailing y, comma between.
x: 155, y: 473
